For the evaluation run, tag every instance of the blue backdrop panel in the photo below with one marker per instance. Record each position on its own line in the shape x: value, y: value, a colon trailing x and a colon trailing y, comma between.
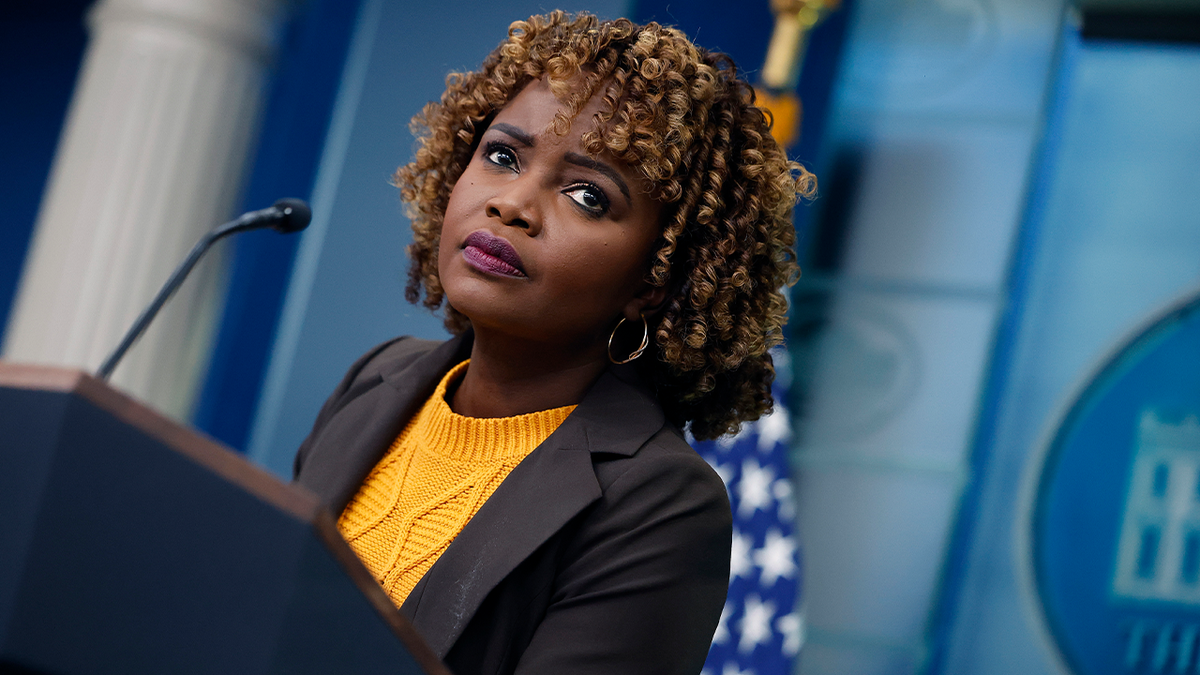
x: 295, y: 124
x: 1110, y: 234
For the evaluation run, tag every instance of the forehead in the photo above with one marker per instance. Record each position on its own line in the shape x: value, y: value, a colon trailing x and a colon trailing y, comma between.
x: 535, y: 107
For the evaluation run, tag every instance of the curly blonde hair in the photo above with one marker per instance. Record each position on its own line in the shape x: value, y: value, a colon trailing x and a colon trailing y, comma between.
x: 684, y: 119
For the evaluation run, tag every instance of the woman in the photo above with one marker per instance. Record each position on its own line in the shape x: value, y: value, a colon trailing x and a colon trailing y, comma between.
x: 602, y: 216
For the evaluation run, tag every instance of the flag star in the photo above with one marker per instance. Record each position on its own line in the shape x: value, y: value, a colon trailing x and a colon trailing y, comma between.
x: 754, y: 488
x: 782, y: 489
x: 722, y: 632
x: 774, y: 429
x: 791, y: 626
x: 739, y: 555
x: 731, y: 668
x: 755, y: 623
x: 777, y: 557
x: 725, y: 443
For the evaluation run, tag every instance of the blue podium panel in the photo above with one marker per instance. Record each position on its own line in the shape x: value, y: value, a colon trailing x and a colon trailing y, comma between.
x: 131, y: 545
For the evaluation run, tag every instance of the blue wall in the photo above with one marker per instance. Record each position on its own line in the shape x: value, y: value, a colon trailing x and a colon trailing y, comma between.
x: 304, y: 87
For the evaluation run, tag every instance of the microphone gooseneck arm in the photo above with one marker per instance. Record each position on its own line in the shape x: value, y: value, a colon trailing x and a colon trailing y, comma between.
x: 287, y: 215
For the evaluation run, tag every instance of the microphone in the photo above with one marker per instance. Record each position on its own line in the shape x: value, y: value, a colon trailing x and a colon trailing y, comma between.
x: 285, y: 216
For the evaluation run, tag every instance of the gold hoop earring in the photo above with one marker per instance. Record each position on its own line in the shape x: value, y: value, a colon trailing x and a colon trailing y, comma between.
x: 637, y: 352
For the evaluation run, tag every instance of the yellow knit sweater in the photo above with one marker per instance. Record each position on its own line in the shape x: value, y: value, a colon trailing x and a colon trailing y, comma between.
x: 433, y: 479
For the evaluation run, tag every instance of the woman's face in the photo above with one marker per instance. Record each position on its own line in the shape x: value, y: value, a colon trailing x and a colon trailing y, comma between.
x: 541, y: 240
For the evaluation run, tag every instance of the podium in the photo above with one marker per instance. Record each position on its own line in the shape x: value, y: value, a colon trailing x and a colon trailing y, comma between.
x: 129, y: 544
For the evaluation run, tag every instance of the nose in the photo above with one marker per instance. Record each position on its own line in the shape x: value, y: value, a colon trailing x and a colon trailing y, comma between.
x: 516, y: 205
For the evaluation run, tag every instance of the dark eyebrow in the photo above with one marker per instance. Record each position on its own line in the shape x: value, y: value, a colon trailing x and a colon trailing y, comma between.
x: 518, y: 134
x: 587, y: 162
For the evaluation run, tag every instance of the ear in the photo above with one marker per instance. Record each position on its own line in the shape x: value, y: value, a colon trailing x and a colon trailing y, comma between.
x: 648, y: 302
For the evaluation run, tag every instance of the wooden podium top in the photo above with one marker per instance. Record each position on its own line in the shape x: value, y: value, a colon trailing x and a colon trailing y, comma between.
x: 200, y: 448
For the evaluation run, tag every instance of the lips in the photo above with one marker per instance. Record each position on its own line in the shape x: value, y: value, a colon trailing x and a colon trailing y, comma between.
x: 491, y: 254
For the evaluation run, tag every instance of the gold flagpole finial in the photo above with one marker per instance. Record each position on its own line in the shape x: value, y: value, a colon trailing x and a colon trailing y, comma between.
x: 794, y: 20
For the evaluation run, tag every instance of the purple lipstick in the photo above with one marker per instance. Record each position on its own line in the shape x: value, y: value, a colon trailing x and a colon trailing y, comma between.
x: 491, y: 254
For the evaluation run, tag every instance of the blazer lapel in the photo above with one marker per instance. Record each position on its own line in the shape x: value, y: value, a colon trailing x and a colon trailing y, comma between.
x: 356, y: 438
x: 545, y: 491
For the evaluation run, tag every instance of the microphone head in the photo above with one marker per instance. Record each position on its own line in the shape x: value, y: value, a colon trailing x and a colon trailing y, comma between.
x: 294, y: 215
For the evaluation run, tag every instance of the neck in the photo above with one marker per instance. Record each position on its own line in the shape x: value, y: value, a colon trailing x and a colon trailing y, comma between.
x: 511, y: 376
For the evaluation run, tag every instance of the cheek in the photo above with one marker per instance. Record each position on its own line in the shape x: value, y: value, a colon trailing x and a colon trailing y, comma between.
x: 613, y: 266
x: 453, y: 207
x: 443, y: 255
x: 452, y: 219
x: 446, y: 246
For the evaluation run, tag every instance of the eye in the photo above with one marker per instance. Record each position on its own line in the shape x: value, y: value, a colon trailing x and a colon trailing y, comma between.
x: 589, y: 197
x: 501, y: 155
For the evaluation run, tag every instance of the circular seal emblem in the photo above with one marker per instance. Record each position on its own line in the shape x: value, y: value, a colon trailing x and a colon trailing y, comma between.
x: 1113, y: 532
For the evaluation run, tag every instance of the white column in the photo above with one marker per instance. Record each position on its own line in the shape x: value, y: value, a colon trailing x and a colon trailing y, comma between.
x: 152, y: 155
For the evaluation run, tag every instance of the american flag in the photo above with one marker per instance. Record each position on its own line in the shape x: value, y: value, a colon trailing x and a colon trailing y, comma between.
x: 762, y: 626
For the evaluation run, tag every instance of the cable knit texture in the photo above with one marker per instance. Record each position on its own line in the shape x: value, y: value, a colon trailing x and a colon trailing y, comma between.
x: 432, y: 480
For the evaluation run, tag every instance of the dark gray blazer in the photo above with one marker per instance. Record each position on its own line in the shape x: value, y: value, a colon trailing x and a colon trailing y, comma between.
x: 605, y: 551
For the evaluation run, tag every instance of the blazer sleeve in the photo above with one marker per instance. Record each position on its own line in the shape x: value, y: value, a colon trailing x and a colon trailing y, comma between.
x: 641, y: 588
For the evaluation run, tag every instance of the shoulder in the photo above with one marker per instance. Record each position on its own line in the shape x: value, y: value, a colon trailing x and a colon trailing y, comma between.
x: 666, y: 498
x: 365, y: 374
x: 638, y: 454
x: 668, y: 473
x: 387, y: 357
x: 383, y: 359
